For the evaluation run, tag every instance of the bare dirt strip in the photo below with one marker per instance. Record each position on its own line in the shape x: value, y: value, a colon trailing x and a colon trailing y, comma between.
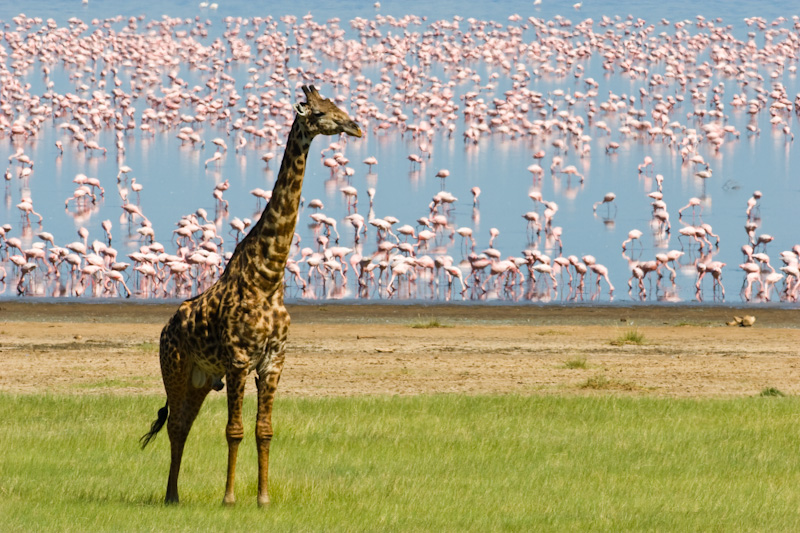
x: 339, y: 350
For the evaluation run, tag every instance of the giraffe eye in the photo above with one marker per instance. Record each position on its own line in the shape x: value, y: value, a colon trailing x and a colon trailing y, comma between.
x: 318, y: 114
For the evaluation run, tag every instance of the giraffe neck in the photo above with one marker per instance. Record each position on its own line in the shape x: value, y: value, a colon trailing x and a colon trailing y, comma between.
x: 260, y: 258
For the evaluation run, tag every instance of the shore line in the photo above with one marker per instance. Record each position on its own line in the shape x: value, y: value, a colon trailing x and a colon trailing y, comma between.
x: 333, y: 312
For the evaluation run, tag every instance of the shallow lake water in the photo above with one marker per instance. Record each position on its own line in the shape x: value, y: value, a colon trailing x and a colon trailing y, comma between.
x: 666, y: 57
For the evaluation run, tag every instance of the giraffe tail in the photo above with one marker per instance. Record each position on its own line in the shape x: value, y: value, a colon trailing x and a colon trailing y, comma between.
x: 158, y: 423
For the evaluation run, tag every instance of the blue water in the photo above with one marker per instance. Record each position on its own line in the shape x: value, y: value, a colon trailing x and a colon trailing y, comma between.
x: 732, y: 12
x: 176, y: 183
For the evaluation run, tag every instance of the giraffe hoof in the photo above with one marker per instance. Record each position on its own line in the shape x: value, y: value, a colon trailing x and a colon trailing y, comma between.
x: 263, y: 502
x: 228, y: 501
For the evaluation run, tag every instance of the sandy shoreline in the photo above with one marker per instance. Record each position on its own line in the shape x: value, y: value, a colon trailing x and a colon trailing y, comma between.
x: 338, y: 349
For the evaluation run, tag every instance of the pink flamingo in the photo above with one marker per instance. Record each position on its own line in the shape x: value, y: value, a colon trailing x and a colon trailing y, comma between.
x: 455, y: 272
x: 92, y: 145
x: 26, y: 206
x: 752, y: 203
x: 137, y: 188
x: 607, y: 199
x: 261, y: 194
x: 638, y: 274
x: 220, y: 143
x: 763, y: 239
x: 476, y: 192
x: 332, y: 164
x: 80, y: 194
x: 704, y: 174
x: 493, y: 233
x: 267, y: 157
x: 536, y: 170
x: 648, y: 163
x: 693, y: 203
x: 351, y: 195
x: 115, y: 276
x: 602, y: 273
x: 633, y: 235
x: 370, y: 162
x: 125, y: 169
x: 466, y: 233
x: 215, y: 158
x: 133, y: 211
x: 571, y: 170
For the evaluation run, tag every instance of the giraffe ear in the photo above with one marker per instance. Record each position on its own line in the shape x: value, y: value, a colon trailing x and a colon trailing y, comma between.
x: 300, y: 108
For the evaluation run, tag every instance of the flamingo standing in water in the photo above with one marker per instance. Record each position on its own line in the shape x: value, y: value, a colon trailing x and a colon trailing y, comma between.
x: 633, y: 235
x: 607, y: 199
x: 752, y: 205
x: 443, y: 174
x: 215, y: 158
x: 370, y: 162
x: 26, y: 206
x: 266, y: 158
x: 693, y: 203
x: 476, y: 192
x: 123, y: 170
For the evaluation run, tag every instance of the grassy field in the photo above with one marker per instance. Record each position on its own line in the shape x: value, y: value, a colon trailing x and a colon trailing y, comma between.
x: 428, y: 463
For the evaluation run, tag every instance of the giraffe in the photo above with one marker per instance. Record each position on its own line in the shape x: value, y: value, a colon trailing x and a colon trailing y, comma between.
x: 240, y: 323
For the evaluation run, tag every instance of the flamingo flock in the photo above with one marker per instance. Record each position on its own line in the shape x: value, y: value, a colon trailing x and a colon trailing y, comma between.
x: 102, y: 89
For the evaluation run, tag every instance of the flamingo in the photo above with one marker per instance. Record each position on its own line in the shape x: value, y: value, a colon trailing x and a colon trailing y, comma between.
x: 214, y: 158
x: 693, y: 202
x: 218, y: 141
x: 607, y: 199
x: 633, y: 235
x: 370, y: 162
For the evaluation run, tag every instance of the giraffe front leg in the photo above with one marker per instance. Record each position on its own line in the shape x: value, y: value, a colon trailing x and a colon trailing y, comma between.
x: 234, y: 431
x: 267, y: 383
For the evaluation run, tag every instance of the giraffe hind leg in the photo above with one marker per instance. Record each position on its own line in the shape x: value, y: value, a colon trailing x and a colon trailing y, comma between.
x: 179, y: 424
x: 184, y: 400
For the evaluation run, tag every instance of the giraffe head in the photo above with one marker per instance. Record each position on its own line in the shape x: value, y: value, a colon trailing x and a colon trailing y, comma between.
x: 320, y: 116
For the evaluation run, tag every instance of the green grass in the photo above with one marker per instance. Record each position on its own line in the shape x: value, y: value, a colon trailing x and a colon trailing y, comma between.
x: 147, y: 346
x: 601, y: 382
x: 430, y: 463
x: 426, y: 323
x: 632, y: 336
x: 771, y: 391
x: 551, y: 332
x: 577, y: 363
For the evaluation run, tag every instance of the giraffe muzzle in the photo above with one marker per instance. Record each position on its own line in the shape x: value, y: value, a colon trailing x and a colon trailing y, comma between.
x: 351, y: 128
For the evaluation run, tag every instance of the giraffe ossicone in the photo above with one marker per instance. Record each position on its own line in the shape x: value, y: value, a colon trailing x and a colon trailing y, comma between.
x: 240, y: 323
